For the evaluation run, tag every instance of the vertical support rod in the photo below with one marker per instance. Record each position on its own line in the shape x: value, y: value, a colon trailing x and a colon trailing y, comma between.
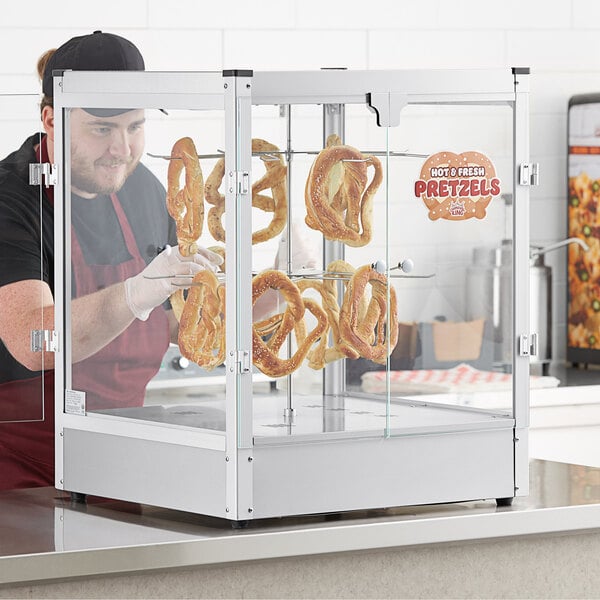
x: 238, y: 205
x: 334, y: 376
x: 520, y: 298
x: 334, y: 381
x: 289, y: 409
x: 62, y: 283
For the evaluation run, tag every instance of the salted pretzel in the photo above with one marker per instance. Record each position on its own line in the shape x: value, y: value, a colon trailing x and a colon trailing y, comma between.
x: 316, y: 357
x: 267, y: 326
x: 274, y: 178
x: 186, y: 204
x: 339, y: 203
x: 221, y: 252
x: 177, y: 299
x: 265, y: 353
x: 202, y: 327
x: 358, y: 332
x: 324, y: 354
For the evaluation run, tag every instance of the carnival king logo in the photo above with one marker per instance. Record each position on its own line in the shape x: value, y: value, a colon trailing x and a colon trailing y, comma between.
x: 457, y: 186
x: 457, y: 208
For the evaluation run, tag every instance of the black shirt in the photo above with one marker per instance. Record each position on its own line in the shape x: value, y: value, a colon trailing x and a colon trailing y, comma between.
x: 25, y: 253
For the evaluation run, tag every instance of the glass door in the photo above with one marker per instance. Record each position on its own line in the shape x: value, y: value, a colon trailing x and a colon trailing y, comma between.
x: 450, y: 219
x: 143, y: 343
x: 26, y: 267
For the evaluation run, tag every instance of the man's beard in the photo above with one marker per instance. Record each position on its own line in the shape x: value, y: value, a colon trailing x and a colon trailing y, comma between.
x: 87, y: 179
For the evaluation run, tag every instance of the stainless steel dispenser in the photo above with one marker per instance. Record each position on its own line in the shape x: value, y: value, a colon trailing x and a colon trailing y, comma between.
x: 489, y: 291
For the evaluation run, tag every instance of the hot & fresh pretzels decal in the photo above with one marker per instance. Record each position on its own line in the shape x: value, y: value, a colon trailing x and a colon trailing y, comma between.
x: 457, y: 186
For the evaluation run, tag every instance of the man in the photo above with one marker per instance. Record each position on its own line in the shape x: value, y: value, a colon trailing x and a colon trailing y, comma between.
x: 119, y: 329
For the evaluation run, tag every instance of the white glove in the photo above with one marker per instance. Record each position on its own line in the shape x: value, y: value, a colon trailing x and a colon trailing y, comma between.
x: 151, y: 287
x: 304, y: 253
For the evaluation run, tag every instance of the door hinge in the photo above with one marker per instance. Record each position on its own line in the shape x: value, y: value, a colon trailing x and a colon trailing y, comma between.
x: 47, y: 171
x: 528, y: 344
x: 239, y: 182
x: 44, y: 339
x: 529, y: 174
x: 242, y: 359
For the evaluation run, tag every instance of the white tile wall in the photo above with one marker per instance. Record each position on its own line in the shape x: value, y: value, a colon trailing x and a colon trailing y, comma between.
x: 276, y: 49
x: 383, y: 14
x: 223, y: 15
x: 435, y: 48
x: 35, y: 15
x: 559, y: 40
x: 506, y: 15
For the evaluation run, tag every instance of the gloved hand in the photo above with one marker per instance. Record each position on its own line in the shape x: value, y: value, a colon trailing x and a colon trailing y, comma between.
x: 304, y: 253
x: 158, y: 280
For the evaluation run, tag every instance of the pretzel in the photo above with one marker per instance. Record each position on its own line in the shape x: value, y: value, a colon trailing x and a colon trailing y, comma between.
x: 316, y: 357
x: 269, y: 325
x: 214, y: 197
x: 323, y: 354
x: 265, y: 354
x: 177, y: 298
x: 221, y: 252
x: 274, y: 178
x: 338, y: 201
x: 186, y: 205
x: 202, y: 327
x: 177, y: 301
x: 358, y: 332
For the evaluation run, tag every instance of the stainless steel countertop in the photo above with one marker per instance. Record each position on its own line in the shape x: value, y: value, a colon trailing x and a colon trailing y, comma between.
x: 44, y: 536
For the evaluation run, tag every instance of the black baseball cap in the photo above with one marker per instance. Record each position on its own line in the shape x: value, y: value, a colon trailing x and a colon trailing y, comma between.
x: 96, y: 51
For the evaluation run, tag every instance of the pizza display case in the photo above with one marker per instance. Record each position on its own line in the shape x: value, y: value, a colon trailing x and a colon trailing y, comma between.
x: 347, y: 206
x: 583, y: 304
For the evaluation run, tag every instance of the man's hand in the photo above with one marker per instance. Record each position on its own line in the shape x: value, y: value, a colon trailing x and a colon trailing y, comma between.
x: 168, y: 272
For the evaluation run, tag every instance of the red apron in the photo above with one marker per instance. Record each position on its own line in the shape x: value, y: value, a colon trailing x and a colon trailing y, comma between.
x: 115, y: 376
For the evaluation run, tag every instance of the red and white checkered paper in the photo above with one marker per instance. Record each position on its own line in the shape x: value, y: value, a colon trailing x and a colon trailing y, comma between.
x: 463, y: 378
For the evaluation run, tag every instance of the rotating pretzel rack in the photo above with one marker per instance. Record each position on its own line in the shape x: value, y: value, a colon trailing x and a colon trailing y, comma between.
x: 274, y: 155
x: 405, y: 266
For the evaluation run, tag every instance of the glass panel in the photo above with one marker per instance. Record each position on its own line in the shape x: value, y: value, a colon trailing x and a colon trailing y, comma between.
x: 450, y: 222
x: 122, y: 219
x: 314, y: 341
x: 26, y: 277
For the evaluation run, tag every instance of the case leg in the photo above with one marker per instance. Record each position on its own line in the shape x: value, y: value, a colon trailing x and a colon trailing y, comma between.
x: 504, y: 501
x: 239, y: 524
x: 78, y: 498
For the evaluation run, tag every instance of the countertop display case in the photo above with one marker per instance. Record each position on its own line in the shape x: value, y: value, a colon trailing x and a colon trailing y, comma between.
x: 346, y: 206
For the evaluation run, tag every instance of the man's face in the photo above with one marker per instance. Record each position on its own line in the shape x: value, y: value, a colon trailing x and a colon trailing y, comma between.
x: 104, y: 150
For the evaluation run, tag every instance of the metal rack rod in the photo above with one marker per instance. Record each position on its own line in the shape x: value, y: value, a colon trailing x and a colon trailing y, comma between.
x: 288, y: 411
x: 331, y: 276
x: 288, y: 153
